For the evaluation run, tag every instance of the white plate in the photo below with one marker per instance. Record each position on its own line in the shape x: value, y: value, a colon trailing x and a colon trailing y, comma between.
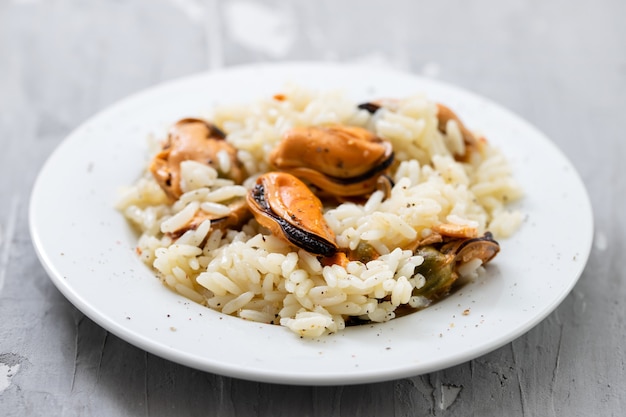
x: 88, y: 248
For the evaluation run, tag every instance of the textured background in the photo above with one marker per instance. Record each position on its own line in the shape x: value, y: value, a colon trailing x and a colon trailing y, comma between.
x: 560, y: 64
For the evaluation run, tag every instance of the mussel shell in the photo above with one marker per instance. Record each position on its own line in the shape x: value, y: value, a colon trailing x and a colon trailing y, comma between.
x: 442, y: 260
x: 484, y: 248
x: 438, y: 270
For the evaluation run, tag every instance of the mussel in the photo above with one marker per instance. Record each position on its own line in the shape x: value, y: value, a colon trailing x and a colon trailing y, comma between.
x: 197, y: 140
x: 443, y: 259
x: 344, y: 161
x: 288, y: 208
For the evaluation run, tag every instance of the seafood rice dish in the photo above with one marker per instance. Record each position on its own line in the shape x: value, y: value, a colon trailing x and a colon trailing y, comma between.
x: 311, y: 211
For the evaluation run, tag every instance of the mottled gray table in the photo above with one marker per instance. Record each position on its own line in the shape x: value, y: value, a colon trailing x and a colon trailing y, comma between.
x: 559, y: 64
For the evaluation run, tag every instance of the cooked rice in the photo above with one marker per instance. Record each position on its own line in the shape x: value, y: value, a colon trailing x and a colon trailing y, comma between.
x: 254, y: 275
